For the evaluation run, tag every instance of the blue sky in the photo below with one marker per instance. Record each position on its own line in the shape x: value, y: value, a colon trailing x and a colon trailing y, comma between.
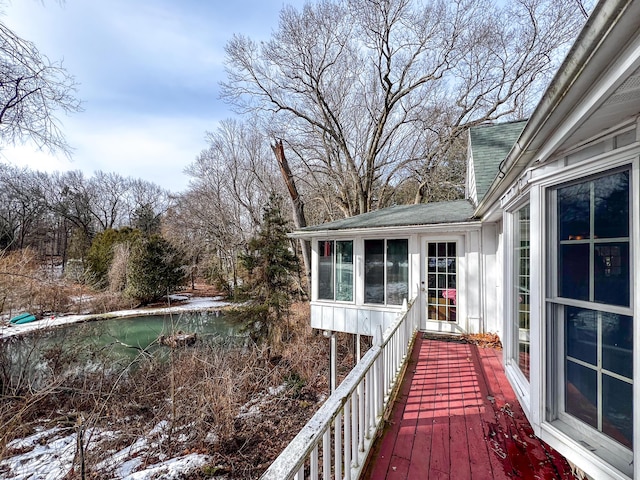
x: 148, y: 74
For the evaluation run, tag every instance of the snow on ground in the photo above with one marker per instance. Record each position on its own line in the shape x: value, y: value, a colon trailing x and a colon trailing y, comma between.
x: 191, y: 304
x: 49, y: 455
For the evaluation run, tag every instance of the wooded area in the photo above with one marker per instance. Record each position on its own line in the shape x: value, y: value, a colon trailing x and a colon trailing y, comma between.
x: 351, y: 106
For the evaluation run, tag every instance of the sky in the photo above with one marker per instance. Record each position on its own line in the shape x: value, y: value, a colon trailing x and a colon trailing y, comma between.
x: 148, y: 74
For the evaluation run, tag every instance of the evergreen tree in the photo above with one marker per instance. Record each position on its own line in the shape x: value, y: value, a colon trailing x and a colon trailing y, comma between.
x: 156, y: 268
x: 146, y: 220
x: 100, y: 255
x: 270, y: 263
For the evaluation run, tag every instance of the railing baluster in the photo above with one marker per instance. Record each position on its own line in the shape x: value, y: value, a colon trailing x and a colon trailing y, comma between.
x: 326, y: 454
x: 355, y: 439
x: 361, y: 417
x: 337, y: 454
x: 348, y: 419
x: 313, y: 474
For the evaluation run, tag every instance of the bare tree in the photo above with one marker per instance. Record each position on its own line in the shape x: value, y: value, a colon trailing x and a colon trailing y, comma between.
x: 32, y: 90
x: 22, y: 207
x: 145, y: 195
x: 110, y: 197
x: 373, y: 92
x: 230, y: 184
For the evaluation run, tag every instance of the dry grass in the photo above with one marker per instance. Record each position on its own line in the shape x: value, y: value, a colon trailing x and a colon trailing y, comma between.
x: 220, y: 402
x: 24, y: 286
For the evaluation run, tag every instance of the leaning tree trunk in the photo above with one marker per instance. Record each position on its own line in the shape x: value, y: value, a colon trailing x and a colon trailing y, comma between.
x: 298, y: 206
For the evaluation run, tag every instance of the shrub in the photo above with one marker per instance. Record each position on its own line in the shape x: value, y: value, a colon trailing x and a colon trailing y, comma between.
x: 155, y: 269
x: 101, y: 253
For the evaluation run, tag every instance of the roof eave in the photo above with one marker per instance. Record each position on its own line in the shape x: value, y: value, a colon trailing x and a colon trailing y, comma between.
x: 354, y: 232
x: 549, y: 114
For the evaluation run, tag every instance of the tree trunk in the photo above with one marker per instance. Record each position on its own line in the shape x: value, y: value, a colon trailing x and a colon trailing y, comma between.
x: 298, y: 206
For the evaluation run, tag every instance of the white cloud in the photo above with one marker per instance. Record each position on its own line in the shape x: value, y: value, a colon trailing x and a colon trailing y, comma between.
x: 148, y: 73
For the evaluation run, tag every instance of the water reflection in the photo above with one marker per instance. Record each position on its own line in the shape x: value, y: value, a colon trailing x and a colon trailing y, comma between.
x: 113, y: 343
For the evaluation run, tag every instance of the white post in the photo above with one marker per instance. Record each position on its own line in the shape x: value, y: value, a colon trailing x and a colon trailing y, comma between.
x: 334, y: 361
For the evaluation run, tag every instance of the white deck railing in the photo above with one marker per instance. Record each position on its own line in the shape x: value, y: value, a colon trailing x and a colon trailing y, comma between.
x: 335, y: 443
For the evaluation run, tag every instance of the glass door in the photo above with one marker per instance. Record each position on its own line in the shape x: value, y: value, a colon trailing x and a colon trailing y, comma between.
x: 441, y: 281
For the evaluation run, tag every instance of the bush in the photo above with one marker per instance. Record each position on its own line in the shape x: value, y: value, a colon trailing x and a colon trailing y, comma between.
x: 156, y: 268
x: 101, y: 253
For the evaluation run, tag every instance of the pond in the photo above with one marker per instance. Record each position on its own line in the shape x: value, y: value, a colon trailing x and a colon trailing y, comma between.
x: 115, y: 340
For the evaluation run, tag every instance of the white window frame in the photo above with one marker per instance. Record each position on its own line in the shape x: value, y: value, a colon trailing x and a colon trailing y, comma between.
x: 316, y: 280
x: 363, y: 285
x: 568, y: 439
x: 523, y: 386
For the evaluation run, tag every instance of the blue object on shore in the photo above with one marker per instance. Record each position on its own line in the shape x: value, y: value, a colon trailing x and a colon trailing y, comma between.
x: 22, y: 318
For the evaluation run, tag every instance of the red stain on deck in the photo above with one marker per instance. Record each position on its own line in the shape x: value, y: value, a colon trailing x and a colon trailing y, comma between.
x: 456, y: 417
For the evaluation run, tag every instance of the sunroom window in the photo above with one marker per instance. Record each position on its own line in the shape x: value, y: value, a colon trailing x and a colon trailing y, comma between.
x: 335, y: 270
x: 386, y: 271
x: 591, y: 318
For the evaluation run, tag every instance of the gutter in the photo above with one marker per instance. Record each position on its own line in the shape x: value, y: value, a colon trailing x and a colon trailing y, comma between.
x: 540, y: 125
x: 410, y: 229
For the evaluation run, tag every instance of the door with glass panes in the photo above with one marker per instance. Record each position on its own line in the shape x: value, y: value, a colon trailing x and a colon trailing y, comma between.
x: 441, y: 267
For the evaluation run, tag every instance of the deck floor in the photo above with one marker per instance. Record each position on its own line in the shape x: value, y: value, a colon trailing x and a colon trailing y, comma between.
x: 456, y: 417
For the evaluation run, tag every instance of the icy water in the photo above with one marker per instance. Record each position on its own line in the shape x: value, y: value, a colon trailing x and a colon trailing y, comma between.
x: 112, y: 341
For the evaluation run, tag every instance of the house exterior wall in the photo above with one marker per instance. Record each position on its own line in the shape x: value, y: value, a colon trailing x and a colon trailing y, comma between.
x: 473, y: 268
x: 545, y: 394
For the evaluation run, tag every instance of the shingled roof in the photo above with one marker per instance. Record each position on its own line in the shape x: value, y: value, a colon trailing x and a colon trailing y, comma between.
x: 455, y: 211
x: 490, y: 144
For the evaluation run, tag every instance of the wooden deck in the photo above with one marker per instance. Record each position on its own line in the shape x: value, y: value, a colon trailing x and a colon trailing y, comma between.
x: 456, y: 417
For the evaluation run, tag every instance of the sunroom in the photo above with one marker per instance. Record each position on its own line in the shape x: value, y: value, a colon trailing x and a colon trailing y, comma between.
x: 365, y: 268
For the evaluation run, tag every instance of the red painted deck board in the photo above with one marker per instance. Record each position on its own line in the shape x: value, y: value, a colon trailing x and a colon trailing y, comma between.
x: 457, y: 417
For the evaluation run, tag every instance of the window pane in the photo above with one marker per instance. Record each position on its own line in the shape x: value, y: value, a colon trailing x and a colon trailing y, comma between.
x: 617, y: 410
x: 374, y: 271
x: 573, y: 211
x: 581, y: 393
x: 582, y: 334
x: 344, y: 271
x: 612, y: 282
x: 522, y: 284
x: 325, y: 270
x: 397, y: 271
x: 573, y: 271
x: 611, y: 197
x: 617, y: 344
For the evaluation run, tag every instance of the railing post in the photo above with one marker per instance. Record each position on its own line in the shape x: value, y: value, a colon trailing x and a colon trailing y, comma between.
x: 334, y: 361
